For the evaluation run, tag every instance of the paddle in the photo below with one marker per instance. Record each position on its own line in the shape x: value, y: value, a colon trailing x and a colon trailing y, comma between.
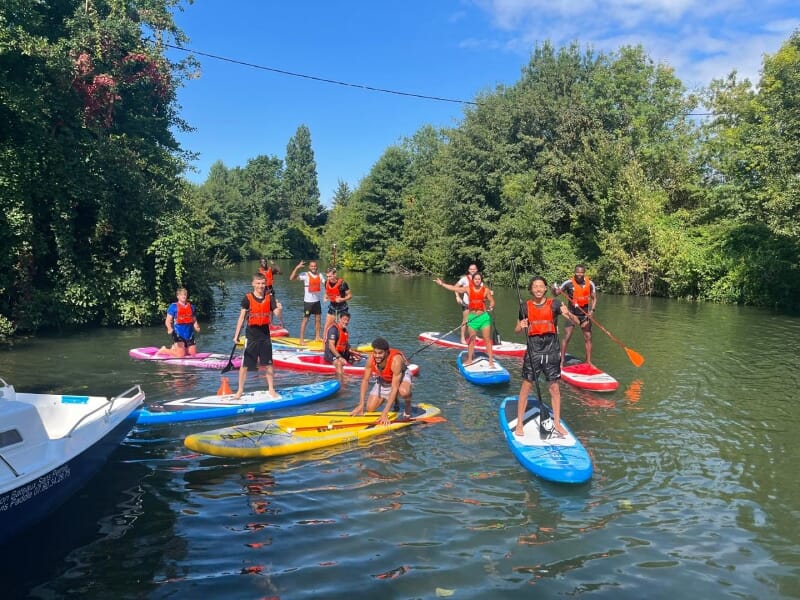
x: 229, y: 366
x: 429, y: 344
x: 544, y: 432
x: 636, y: 358
x: 368, y: 424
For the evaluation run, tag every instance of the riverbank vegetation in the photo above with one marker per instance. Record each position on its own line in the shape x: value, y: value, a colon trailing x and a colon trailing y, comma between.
x: 602, y: 158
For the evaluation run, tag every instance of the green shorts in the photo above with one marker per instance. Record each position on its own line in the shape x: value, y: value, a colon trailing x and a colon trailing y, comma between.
x: 478, y: 322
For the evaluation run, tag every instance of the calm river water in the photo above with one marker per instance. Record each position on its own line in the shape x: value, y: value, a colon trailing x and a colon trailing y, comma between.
x: 695, y: 491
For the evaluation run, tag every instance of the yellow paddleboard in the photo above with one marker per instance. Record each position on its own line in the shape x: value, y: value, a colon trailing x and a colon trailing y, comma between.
x: 290, y: 435
x: 310, y: 345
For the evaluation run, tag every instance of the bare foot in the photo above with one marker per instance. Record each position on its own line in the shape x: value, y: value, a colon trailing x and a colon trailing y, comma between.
x: 274, y: 395
x: 519, y: 432
x: 237, y: 395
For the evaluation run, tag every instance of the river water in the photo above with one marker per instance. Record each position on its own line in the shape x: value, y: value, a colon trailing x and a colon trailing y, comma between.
x: 695, y: 491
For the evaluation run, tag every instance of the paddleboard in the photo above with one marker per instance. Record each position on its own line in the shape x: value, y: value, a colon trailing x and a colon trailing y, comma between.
x: 588, y: 377
x: 293, y: 343
x: 290, y: 435
x: 315, y: 362
x: 453, y: 341
x: 479, y: 372
x: 214, y: 407
x: 562, y: 460
x: 206, y: 360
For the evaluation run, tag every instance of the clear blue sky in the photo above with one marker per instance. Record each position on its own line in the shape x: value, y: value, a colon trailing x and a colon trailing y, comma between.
x: 445, y: 48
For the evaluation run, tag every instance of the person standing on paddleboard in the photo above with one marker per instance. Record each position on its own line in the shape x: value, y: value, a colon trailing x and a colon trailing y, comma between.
x: 338, y: 293
x: 181, y: 323
x: 269, y: 270
x: 537, y: 317
x: 337, y: 345
x: 463, y: 299
x: 312, y: 297
x: 387, y: 366
x: 258, y: 349
x: 582, y: 301
x: 478, y: 320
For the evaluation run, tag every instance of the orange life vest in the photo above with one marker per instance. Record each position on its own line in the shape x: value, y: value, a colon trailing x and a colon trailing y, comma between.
x: 259, y: 310
x: 185, y: 314
x: 581, y: 293
x: 540, y: 318
x: 333, y: 290
x: 386, y: 373
x: 343, y: 343
x: 477, y: 297
x: 314, y: 282
x: 268, y: 276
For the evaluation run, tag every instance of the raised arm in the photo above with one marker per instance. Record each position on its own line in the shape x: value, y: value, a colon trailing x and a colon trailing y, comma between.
x: 293, y: 275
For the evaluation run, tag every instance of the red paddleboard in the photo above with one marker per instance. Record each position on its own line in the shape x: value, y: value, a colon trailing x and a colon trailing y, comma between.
x: 588, y: 377
x: 316, y: 363
x: 453, y: 341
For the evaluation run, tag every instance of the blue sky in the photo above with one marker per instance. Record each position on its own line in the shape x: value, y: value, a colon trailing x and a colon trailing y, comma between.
x: 444, y: 48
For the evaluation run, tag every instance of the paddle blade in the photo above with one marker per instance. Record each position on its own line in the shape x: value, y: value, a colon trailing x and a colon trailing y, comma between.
x: 636, y: 358
x: 434, y: 419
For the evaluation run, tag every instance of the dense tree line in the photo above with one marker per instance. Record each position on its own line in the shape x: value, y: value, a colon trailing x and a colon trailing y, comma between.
x: 589, y: 157
x: 597, y: 158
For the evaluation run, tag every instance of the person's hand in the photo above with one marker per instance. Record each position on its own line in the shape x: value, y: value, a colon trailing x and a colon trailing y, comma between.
x: 384, y: 420
x: 358, y: 410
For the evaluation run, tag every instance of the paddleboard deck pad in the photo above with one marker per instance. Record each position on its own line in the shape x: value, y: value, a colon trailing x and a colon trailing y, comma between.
x: 291, y: 435
x: 558, y: 459
x: 227, y: 405
x: 588, y: 377
x: 479, y: 372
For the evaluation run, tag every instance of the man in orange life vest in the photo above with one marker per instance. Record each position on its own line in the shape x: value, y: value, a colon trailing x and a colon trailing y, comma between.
x: 337, y: 345
x: 269, y: 271
x: 392, y: 379
x: 256, y: 307
x: 312, y: 297
x: 181, y: 323
x: 338, y: 293
x: 582, y: 300
x: 538, y: 318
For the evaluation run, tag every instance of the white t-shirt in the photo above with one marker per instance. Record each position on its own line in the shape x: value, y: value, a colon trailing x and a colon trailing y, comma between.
x: 464, y: 282
x: 312, y: 296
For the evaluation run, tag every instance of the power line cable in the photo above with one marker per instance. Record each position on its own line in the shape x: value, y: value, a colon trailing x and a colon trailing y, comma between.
x: 322, y: 79
x: 345, y: 83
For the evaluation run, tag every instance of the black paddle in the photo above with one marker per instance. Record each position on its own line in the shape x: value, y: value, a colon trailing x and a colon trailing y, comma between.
x: 544, y: 412
x: 429, y: 344
x: 229, y: 366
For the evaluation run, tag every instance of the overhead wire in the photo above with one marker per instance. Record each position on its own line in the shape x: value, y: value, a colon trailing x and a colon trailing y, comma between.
x: 344, y: 83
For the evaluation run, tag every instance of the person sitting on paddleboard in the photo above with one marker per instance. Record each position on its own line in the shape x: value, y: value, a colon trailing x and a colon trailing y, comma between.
x: 392, y: 379
x: 338, y: 293
x: 479, y: 319
x: 582, y: 301
x: 337, y: 345
x: 537, y: 317
x: 312, y: 297
x: 269, y: 270
x: 181, y: 323
x: 258, y: 349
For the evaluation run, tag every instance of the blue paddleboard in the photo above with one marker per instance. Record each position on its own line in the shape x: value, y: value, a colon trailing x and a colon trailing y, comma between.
x: 479, y: 372
x: 563, y: 460
x: 215, y: 407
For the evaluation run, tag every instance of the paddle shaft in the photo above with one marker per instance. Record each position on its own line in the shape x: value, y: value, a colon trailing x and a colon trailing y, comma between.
x: 229, y: 366
x: 429, y: 344
x: 636, y: 358
x: 543, y: 411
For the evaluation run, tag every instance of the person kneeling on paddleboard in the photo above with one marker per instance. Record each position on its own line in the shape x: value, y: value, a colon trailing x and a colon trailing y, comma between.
x: 181, y: 323
x: 337, y: 345
x: 388, y: 367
